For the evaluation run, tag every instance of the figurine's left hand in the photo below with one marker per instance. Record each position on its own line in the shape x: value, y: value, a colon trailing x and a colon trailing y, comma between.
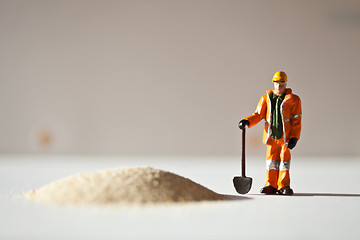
x: 292, y: 143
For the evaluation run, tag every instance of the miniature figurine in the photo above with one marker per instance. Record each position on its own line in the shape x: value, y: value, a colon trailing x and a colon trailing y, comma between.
x: 281, y: 110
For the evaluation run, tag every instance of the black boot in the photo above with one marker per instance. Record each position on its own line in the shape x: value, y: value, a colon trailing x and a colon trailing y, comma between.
x: 286, y: 191
x: 268, y: 190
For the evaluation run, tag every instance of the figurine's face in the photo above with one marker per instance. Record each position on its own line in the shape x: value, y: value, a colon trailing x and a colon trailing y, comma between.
x: 279, y: 87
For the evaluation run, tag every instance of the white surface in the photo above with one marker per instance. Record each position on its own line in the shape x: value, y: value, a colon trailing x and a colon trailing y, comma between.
x: 326, y: 204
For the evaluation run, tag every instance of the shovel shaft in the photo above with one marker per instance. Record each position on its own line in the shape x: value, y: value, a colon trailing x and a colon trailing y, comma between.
x: 243, y: 153
x: 242, y: 184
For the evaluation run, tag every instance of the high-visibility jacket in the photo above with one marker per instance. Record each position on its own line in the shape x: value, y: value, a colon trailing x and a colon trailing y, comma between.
x: 291, y: 114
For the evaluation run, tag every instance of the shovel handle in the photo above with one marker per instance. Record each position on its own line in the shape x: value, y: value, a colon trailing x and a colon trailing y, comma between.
x: 243, y: 153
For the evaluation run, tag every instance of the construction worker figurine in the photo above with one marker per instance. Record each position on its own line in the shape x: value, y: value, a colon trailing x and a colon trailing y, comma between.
x: 281, y: 110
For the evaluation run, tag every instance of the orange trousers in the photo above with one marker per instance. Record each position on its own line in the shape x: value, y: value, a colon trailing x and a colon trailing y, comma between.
x: 277, y: 164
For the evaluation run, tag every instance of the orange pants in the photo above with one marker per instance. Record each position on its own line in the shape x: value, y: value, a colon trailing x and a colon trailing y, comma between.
x: 277, y: 164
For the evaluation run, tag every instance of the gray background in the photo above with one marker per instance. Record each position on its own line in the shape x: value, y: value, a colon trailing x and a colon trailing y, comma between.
x: 173, y: 77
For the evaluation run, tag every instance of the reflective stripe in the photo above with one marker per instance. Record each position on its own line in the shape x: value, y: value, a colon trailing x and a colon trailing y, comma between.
x: 272, y: 164
x: 269, y: 120
x: 293, y: 116
x: 284, y: 166
x: 282, y: 115
x: 277, y: 165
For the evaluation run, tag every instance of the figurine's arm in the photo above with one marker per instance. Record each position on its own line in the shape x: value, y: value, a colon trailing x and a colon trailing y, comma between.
x: 296, y: 115
x: 260, y: 112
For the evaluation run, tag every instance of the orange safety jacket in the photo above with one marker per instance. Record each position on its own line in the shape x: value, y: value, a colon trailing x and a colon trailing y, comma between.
x: 291, y: 114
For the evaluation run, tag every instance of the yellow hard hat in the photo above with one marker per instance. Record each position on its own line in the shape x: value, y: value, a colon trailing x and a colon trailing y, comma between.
x: 280, y: 76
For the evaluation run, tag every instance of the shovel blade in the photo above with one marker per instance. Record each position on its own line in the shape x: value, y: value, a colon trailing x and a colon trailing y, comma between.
x: 242, y: 184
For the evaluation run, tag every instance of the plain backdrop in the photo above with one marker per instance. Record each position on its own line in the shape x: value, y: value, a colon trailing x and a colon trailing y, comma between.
x: 173, y: 77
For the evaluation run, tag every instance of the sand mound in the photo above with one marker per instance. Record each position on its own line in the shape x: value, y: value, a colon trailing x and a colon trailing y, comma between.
x: 123, y: 186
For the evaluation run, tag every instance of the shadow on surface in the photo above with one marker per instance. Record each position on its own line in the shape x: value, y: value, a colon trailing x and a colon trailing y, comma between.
x: 234, y: 197
x: 326, y: 195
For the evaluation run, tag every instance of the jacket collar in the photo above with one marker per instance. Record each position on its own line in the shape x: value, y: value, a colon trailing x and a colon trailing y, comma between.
x: 288, y: 91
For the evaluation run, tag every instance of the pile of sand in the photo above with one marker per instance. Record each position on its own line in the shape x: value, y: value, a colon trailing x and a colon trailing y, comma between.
x: 139, y: 185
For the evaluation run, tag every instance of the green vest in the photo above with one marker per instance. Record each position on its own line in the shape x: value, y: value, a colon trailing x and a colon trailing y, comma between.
x: 276, y: 121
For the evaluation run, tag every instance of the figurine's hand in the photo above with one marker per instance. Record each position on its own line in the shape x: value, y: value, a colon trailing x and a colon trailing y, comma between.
x: 292, y: 143
x: 243, y: 123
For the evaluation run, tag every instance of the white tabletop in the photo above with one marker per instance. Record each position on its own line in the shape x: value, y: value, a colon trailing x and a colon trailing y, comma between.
x: 326, y: 204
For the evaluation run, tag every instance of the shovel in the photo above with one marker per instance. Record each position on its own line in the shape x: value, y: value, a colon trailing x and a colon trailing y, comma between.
x: 242, y: 184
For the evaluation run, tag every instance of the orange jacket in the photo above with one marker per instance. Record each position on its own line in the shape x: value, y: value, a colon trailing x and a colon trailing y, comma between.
x: 290, y: 112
